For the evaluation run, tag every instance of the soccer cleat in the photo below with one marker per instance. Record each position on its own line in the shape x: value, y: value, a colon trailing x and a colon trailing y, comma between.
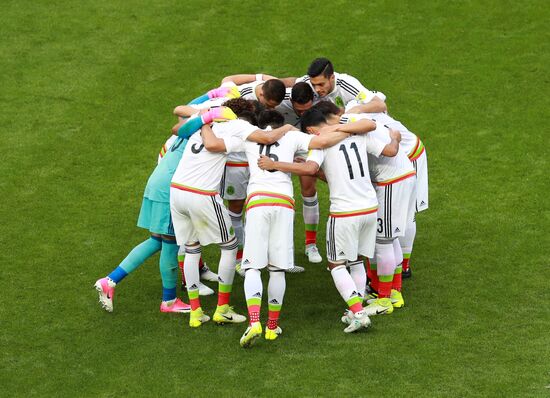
x: 312, y: 253
x: 406, y: 274
x: 397, y: 299
x: 226, y: 314
x: 347, y: 317
x: 106, y: 289
x: 204, y: 290
x: 207, y: 274
x: 272, y: 334
x: 357, y: 321
x: 178, y: 306
x: 379, y: 306
x: 251, y: 334
x: 295, y: 269
x: 371, y: 297
x: 197, y: 318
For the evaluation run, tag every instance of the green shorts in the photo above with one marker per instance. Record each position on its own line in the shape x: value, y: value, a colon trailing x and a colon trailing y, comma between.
x: 155, y: 217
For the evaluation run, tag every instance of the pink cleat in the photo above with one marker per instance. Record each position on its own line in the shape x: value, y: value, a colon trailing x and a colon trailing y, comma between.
x: 106, y: 289
x: 178, y: 306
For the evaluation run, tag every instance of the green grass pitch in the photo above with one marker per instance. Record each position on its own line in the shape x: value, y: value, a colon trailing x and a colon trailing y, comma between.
x: 86, y: 94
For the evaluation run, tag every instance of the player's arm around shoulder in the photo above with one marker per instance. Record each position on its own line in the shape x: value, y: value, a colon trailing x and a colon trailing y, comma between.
x: 245, y: 78
x: 308, y: 168
x: 269, y: 137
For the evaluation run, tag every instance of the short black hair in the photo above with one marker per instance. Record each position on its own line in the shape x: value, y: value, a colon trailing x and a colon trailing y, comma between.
x: 311, y: 118
x: 270, y: 117
x: 301, y: 93
x: 320, y: 66
x: 249, y: 116
x: 327, y: 108
x: 274, y: 90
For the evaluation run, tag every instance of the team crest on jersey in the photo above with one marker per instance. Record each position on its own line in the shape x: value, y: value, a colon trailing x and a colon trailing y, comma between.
x: 339, y: 101
x: 230, y: 189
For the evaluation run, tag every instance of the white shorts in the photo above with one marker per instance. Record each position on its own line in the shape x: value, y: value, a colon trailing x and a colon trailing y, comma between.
x: 396, y: 207
x: 235, y: 181
x: 198, y: 217
x: 269, y: 232
x: 421, y: 167
x: 348, y: 237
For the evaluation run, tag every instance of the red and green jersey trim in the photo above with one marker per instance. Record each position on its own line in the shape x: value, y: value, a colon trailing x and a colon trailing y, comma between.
x: 417, y: 150
x: 194, y: 190
x: 236, y: 164
x: 354, y: 213
x: 276, y: 198
x: 397, y: 179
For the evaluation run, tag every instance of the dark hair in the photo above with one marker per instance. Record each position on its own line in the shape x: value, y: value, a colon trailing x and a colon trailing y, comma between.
x: 301, y: 93
x: 320, y: 65
x: 274, y: 90
x: 258, y: 107
x: 239, y: 105
x: 249, y: 116
x: 311, y: 118
x: 327, y: 108
x: 270, y: 117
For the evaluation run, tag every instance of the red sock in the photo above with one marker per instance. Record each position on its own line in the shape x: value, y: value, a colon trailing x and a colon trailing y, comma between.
x: 374, y: 282
x: 273, y: 319
x: 201, y: 263
x: 311, y: 237
x: 180, y: 264
x: 384, y: 287
x: 406, y: 264
x: 254, y: 313
x: 397, y: 280
x: 239, y: 255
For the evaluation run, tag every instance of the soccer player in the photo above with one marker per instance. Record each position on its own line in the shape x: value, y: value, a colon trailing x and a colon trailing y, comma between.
x: 155, y: 217
x: 351, y: 228
x: 416, y: 152
x: 199, y: 215
x: 396, y: 192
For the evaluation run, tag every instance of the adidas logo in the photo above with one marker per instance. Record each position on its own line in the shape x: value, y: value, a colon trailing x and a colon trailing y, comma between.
x: 245, y: 262
x: 220, y: 279
x: 273, y: 302
x: 342, y: 254
x: 422, y: 203
x: 397, y: 230
x: 258, y: 294
x: 354, y: 293
x: 193, y: 287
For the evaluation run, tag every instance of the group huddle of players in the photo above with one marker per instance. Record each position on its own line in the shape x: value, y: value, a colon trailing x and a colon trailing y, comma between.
x: 241, y: 142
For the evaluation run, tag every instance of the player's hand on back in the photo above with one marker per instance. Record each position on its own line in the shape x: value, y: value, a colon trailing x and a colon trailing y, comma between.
x: 395, y: 135
x: 266, y: 163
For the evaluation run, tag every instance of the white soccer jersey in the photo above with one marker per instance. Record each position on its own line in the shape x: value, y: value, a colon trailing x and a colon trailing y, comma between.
x: 346, y: 167
x: 248, y: 90
x: 200, y: 170
x: 281, y: 151
x: 346, y: 88
x: 286, y: 109
x: 383, y: 170
x: 166, y: 146
x: 409, y: 141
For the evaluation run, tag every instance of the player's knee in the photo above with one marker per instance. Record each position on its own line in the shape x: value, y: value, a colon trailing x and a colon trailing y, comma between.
x: 231, y: 244
x: 169, y: 238
x: 307, y: 186
x: 236, y: 206
x: 192, y: 248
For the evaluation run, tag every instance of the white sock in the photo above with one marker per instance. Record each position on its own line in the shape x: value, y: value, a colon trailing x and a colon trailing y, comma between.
x: 253, y: 287
x: 407, y: 240
x: 237, y: 223
x: 385, y: 258
x: 276, y: 287
x: 359, y: 275
x: 344, y: 283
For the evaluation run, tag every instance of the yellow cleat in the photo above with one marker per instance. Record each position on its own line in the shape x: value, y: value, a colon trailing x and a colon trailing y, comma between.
x: 397, y: 299
x: 272, y: 334
x: 251, y: 334
x: 379, y: 306
x: 225, y: 314
x: 197, y: 318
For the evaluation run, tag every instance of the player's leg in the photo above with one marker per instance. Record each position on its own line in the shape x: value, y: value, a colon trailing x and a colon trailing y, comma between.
x: 385, y: 263
x: 406, y: 241
x: 192, y: 279
x: 205, y: 274
x: 137, y: 256
x: 168, y: 266
x: 396, y: 295
x: 235, y: 210
x: 255, y: 258
x: 310, y: 213
x: 339, y: 235
x: 359, y: 275
x: 275, y: 295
